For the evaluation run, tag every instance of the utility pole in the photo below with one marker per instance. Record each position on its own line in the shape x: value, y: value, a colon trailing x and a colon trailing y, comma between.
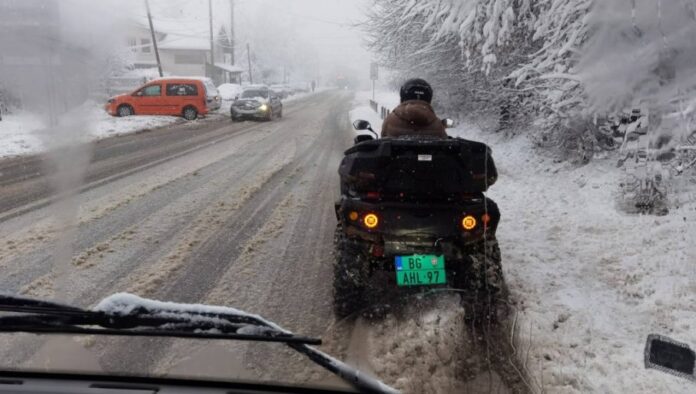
x: 232, y: 29
x: 212, y: 45
x: 251, y: 78
x: 154, y: 39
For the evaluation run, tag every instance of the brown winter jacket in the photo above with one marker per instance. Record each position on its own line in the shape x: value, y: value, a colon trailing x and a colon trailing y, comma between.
x: 413, y: 117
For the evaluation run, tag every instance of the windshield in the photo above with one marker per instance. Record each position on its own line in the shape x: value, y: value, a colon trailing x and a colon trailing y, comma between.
x: 454, y: 195
x: 255, y: 93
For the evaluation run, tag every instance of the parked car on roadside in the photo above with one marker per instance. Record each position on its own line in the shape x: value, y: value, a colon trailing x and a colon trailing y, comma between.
x: 282, y: 90
x: 257, y: 102
x: 188, y: 97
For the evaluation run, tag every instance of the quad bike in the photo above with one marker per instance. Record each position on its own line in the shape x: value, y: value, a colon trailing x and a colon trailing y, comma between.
x: 413, y: 216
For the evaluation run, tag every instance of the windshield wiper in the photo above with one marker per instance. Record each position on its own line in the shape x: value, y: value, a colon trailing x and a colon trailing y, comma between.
x: 129, y: 315
x: 35, y: 316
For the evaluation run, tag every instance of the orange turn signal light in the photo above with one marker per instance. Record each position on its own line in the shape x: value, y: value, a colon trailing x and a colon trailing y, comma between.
x: 469, y: 222
x: 371, y: 220
x: 353, y: 216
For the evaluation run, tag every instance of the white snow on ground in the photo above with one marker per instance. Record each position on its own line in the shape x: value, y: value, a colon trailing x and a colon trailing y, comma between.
x: 103, y: 125
x: 427, y: 349
x: 26, y: 133
x: 591, y: 282
x: 361, y: 110
x: 17, y: 135
x: 228, y: 91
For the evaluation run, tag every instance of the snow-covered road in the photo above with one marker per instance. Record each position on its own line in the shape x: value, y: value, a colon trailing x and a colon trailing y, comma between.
x: 237, y: 214
x: 206, y: 214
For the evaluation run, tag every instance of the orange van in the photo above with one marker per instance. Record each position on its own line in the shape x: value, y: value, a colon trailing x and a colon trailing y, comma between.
x: 187, y: 97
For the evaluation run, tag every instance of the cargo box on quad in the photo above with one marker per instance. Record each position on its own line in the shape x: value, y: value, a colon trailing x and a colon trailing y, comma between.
x: 428, y: 168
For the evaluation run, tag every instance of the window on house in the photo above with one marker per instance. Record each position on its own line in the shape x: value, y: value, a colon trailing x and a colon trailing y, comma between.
x: 133, y: 44
x: 145, y: 44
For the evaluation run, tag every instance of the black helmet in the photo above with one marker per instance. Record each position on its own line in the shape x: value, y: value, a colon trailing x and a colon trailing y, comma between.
x: 416, y: 89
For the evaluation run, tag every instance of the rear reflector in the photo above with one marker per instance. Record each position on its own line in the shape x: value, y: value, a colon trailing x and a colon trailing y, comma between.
x: 371, y: 220
x: 469, y: 222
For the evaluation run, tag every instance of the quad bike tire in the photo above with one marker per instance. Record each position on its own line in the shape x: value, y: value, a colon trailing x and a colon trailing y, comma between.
x: 485, y: 292
x: 348, y: 287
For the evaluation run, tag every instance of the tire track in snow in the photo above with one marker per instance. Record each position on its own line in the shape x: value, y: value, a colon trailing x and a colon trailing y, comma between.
x: 206, y: 264
x: 159, y: 214
x: 204, y: 226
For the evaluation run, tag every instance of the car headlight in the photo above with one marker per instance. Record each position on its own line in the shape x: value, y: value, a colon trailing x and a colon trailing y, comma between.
x: 110, y: 101
x: 263, y: 107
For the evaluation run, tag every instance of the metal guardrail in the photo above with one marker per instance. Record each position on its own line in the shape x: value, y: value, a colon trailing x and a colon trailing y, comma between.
x: 382, y: 111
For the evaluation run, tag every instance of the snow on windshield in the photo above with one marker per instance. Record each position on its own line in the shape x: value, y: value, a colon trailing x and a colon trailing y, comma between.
x: 127, y: 304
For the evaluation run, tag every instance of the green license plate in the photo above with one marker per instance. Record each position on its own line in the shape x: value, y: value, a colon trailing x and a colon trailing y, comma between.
x: 420, y: 270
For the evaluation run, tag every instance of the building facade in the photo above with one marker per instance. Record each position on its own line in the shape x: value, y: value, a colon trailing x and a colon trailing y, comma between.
x: 183, y: 53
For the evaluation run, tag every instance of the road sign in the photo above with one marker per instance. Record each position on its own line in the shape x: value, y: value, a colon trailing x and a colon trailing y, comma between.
x: 374, y: 71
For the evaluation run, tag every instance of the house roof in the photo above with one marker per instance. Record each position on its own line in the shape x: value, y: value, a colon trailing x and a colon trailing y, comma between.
x: 180, y: 34
x: 229, y: 67
x: 173, y: 41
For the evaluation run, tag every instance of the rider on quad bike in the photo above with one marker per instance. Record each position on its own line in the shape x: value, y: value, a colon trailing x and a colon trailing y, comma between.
x: 413, y: 214
x: 414, y: 116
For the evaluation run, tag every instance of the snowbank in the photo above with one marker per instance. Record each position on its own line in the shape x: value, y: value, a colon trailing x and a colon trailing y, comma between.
x: 361, y: 109
x: 102, y: 125
x: 26, y: 133
x: 19, y: 134
x: 590, y: 281
x: 228, y: 91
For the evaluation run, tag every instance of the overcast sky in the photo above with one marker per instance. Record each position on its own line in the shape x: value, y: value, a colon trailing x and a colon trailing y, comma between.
x: 327, y: 30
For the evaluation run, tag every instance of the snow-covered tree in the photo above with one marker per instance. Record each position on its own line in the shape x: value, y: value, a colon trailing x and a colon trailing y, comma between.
x: 554, y: 62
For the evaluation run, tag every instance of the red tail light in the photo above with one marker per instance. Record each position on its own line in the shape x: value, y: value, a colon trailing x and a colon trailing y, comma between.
x: 378, y: 250
x: 373, y: 195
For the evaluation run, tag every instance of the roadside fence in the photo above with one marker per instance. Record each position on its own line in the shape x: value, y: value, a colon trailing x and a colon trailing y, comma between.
x: 382, y: 111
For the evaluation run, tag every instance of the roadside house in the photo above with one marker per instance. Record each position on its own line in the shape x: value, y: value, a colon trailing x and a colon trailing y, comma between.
x: 184, y: 51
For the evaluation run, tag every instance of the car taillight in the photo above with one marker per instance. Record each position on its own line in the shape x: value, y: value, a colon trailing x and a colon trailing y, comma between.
x: 373, y: 195
x: 468, y: 222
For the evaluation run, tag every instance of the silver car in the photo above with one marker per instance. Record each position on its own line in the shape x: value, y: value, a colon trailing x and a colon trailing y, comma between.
x: 256, y: 103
